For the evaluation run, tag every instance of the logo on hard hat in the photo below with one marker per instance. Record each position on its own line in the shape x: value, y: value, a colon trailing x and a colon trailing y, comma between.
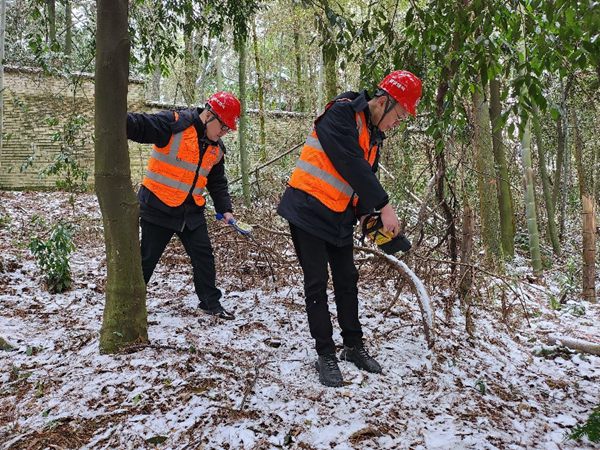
x: 219, y: 102
x: 397, y: 84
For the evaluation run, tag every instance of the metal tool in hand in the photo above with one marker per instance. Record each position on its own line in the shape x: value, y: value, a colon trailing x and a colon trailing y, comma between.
x: 385, y: 240
x: 240, y: 227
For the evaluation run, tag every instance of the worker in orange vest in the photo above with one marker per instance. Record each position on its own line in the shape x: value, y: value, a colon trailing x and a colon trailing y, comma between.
x: 186, y: 162
x: 333, y: 185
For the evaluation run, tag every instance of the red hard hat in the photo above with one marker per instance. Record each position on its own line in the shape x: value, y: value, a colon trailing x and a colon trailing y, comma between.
x: 405, y: 88
x: 227, y: 107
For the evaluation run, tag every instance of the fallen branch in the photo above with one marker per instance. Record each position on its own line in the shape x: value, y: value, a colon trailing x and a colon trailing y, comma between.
x: 574, y: 344
x: 269, y: 162
x: 251, y: 383
x: 417, y: 287
x: 5, y: 345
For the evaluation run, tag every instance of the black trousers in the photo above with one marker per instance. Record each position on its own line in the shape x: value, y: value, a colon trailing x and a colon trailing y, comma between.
x: 314, y: 255
x: 197, y: 245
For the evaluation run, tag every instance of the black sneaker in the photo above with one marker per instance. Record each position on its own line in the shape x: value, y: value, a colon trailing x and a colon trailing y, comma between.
x: 329, y: 372
x: 217, y: 311
x: 361, y: 358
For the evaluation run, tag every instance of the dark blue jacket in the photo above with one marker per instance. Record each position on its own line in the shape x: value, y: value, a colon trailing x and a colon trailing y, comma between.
x: 157, y: 129
x: 338, y: 136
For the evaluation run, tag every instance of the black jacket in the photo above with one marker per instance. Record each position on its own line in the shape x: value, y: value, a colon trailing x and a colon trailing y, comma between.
x: 157, y: 129
x: 338, y: 135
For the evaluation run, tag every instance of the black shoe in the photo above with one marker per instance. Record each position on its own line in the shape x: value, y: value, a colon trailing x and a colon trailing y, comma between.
x: 329, y: 372
x: 217, y: 311
x: 361, y: 358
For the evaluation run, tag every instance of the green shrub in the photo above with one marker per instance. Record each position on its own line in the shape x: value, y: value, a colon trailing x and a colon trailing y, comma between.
x: 591, y: 427
x: 68, y: 168
x: 4, y: 220
x: 52, y: 257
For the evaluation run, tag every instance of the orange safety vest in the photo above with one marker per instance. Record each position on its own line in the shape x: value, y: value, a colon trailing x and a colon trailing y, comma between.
x: 316, y: 175
x: 172, y: 168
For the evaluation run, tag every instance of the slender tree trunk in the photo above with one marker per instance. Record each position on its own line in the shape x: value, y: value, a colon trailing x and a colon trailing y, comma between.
x: 321, y: 84
x: 261, y: 98
x: 589, y: 249
x: 68, y: 28
x: 532, y: 226
x: 244, y: 160
x: 298, y: 60
x: 51, y: 4
x: 505, y: 199
x: 584, y: 174
x: 125, y: 320
x: 560, y: 156
x: 218, y: 65
x: 565, y: 182
x: 190, y: 71
x: 466, y: 272
x: 448, y: 73
x: 559, y: 193
x: 546, y: 189
x: 330, y: 65
x: 486, y: 181
x: 2, y: 44
x: 154, y: 93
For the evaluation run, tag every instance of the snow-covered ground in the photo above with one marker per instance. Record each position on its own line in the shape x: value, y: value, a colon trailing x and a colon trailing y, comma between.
x: 251, y: 383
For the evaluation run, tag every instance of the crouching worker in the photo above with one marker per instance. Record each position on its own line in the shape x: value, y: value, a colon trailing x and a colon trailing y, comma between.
x: 332, y: 186
x: 187, y: 160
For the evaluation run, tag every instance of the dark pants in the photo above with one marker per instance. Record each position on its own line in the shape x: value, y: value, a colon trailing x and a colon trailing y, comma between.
x: 314, y: 255
x: 197, y: 245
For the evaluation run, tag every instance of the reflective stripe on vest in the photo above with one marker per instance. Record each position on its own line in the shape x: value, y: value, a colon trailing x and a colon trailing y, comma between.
x: 316, y: 175
x: 170, y: 174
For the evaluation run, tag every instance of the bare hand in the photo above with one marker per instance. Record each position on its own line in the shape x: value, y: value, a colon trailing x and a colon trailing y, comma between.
x: 228, y: 218
x: 390, y: 220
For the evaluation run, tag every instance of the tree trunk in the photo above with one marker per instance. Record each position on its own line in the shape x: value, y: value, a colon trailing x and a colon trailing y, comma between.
x: 2, y: 43
x: 448, y: 73
x: 505, y: 199
x: 466, y: 250
x: 125, y: 320
x: 330, y: 65
x: 321, y: 84
x: 532, y: 226
x: 51, y: 4
x: 562, y: 159
x: 584, y: 174
x: 466, y: 272
x: 68, y: 28
x: 190, y: 71
x: 261, y: 98
x: 244, y: 162
x: 154, y: 93
x: 566, y: 185
x: 218, y: 65
x: 298, y: 60
x: 589, y: 249
x: 552, y: 231
x: 486, y: 181
x: 579, y: 345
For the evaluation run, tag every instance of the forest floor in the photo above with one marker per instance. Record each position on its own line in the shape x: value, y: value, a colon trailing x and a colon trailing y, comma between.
x: 251, y: 383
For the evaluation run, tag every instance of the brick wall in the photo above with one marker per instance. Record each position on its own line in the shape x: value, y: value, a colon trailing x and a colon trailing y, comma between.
x: 38, y: 107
